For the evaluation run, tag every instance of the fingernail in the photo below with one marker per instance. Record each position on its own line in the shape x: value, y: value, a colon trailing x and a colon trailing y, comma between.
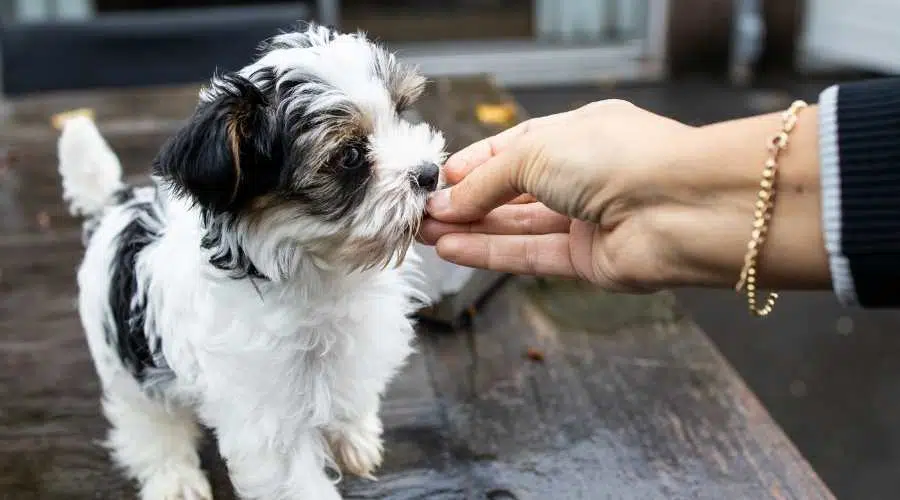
x: 439, y: 202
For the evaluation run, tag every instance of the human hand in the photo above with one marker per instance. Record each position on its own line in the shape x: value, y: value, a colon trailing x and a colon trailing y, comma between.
x: 571, y: 195
x: 631, y: 201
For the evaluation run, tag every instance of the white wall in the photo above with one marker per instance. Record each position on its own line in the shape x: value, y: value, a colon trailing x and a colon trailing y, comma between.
x: 864, y: 34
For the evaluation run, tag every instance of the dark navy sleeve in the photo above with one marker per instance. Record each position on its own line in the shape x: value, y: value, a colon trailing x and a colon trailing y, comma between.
x: 859, y: 146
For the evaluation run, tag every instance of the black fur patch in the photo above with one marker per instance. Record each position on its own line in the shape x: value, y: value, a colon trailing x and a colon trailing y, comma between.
x: 235, y: 261
x: 123, y: 195
x: 333, y: 192
x: 127, y: 332
x: 227, y: 153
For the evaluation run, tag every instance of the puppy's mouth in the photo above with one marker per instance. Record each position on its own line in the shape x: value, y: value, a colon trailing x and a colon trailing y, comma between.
x: 413, y: 228
x: 404, y: 240
x: 389, y: 248
x: 378, y: 253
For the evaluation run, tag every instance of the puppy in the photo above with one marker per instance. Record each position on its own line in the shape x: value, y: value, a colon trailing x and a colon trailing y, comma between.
x: 263, y: 284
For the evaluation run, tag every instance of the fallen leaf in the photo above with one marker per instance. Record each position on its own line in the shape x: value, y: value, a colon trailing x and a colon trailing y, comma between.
x: 496, y: 114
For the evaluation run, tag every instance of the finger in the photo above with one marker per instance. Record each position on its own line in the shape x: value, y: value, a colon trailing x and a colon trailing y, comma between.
x: 522, y: 199
x: 467, y: 159
x: 545, y: 255
x: 462, y: 162
x: 531, y: 219
x: 483, y: 190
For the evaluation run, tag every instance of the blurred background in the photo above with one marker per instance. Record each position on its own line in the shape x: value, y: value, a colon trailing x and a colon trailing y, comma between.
x: 829, y: 376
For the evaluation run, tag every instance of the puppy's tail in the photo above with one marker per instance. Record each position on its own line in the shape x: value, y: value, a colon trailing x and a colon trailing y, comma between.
x: 90, y: 170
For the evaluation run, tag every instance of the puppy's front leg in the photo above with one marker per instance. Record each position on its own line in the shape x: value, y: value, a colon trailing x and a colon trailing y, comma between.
x: 355, y: 429
x: 357, y: 445
x: 285, y: 465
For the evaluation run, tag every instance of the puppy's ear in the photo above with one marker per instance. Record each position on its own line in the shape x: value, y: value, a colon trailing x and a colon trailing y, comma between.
x: 227, y: 153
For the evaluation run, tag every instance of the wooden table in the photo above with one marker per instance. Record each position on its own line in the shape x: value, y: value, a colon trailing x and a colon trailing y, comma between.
x: 621, y: 397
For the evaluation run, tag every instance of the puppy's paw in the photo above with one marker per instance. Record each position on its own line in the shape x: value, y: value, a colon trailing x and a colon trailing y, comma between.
x: 177, y: 483
x: 358, y: 447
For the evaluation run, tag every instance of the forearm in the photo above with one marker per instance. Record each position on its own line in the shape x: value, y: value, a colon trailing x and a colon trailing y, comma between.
x: 836, y: 221
x: 721, y: 170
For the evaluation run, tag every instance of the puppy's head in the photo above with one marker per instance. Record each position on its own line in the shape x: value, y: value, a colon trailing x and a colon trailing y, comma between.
x: 305, y: 153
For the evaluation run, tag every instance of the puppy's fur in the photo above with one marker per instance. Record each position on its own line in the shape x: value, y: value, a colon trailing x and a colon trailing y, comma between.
x: 259, y: 286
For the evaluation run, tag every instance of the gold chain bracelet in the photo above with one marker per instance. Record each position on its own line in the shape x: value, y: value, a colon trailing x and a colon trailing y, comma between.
x: 762, y: 213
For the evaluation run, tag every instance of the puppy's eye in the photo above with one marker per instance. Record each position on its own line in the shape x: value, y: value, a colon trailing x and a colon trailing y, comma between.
x: 354, y: 157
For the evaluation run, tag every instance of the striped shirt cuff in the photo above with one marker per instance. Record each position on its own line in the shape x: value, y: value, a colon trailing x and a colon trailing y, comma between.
x: 830, y: 161
x: 860, y: 162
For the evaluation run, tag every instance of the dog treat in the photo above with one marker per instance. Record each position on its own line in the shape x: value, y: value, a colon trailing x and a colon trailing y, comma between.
x: 59, y: 119
x: 496, y: 114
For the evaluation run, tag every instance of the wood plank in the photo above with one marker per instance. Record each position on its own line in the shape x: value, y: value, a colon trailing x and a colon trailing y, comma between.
x: 636, y: 403
x: 622, y: 396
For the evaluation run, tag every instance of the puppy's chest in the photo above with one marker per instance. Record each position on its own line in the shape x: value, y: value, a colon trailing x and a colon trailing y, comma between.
x: 288, y: 346
x: 292, y: 321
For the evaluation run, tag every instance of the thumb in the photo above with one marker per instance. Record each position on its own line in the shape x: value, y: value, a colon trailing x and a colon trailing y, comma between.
x: 487, y: 187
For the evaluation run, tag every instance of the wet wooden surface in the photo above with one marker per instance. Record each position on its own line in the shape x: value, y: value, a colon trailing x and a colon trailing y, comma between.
x: 555, y: 390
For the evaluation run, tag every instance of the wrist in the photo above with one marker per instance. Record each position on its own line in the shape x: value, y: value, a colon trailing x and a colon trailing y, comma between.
x: 727, y: 158
x: 717, y: 172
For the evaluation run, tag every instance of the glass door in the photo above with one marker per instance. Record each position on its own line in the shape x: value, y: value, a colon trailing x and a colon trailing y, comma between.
x: 519, y: 42
x: 559, y: 21
x: 404, y: 21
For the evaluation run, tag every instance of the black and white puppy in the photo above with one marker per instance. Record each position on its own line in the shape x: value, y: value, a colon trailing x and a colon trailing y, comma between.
x: 261, y: 285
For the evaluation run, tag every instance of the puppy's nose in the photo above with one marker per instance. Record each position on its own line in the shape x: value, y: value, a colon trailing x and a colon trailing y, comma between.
x: 427, y: 176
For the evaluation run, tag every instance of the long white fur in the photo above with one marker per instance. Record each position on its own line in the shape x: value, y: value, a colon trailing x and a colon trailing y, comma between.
x: 90, y: 170
x: 289, y: 372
